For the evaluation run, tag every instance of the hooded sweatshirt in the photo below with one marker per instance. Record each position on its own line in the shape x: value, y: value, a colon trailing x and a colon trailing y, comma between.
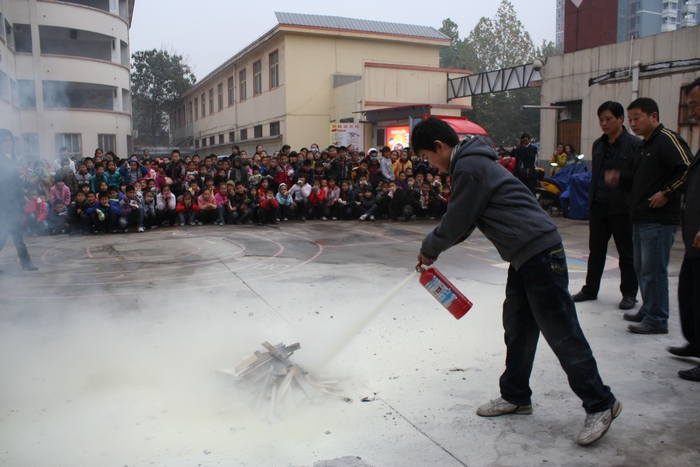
x: 487, y: 196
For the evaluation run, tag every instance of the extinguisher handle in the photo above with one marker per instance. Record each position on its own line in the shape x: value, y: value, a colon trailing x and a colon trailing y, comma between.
x: 419, y: 267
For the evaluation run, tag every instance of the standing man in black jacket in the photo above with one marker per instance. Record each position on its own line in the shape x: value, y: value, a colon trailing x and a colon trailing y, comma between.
x: 610, y: 211
x: 689, y: 277
x: 656, y: 184
x: 525, y: 162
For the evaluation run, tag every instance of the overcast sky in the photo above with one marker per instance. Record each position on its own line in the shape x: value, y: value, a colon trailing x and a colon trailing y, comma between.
x: 208, y: 32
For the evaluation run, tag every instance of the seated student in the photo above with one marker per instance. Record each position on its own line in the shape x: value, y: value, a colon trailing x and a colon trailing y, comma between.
x: 68, y: 175
x: 425, y: 202
x: 401, y: 180
x: 318, y: 194
x: 57, y: 219
x: 84, y: 189
x: 77, y: 215
x: 187, y: 209
x: 360, y: 185
x: 161, y: 179
x: 257, y: 177
x: 320, y: 171
x: 239, y: 205
x: 114, y: 178
x: 300, y: 192
x: 207, y: 207
x: 60, y: 192
x: 285, y: 202
x: 269, y: 208
x: 97, y: 178
x: 332, y: 194
x: 150, y: 217
x: 254, y: 203
x: 262, y: 187
x: 221, y: 204
x: 194, y: 189
x: 35, y: 213
x: 435, y: 182
x: 104, y: 214
x: 400, y: 205
x: 367, y: 204
x: 165, y: 207
x: 443, y: 199
x: 345, y: 204
x: 132, y: 210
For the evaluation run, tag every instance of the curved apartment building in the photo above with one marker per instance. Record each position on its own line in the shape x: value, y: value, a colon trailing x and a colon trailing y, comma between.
x: 65, y: 77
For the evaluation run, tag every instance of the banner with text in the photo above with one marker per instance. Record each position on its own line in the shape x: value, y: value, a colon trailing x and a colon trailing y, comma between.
x: 345, y: 134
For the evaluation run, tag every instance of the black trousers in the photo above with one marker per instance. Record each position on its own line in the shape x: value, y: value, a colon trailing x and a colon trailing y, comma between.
x: 15, y: 230
x: 602, y: 226
x: 689, y: 300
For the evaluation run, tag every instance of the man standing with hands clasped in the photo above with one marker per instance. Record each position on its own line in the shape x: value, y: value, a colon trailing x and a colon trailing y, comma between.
x: 487, y: 196
x: 656, y: 183
x: 610, y: 210
x: 689, y: 277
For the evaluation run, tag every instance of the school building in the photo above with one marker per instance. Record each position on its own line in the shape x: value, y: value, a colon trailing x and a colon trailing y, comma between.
x: 318, y: 79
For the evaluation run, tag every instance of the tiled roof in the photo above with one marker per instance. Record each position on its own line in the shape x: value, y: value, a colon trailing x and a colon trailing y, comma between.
x: 363, y: 25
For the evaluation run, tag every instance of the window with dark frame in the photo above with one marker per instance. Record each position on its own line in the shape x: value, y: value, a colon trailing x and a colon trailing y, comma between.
x: 211, y: 101
x: 204, y: 142
x: 212, y: 141
x: 244, y: 134
x: 221, y: 138
x: 73, y: 141
x: 190, y: 118
x: 196, y: 144
x: 274, y: 70
x: 196, y: 108
x: 257, y: 77
x: 242, y: 84
x: 107, y: 142
x: 231, y: 136
x: 230, y: 91
x: 30, y: 144
x: 274, y: 128
x: 220, y: 88
x: 257, y: 131
x: 204, y: 106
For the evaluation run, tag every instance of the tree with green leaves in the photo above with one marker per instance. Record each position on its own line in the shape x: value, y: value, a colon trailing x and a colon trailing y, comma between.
x: 497, y: 43
x: 158, y: 78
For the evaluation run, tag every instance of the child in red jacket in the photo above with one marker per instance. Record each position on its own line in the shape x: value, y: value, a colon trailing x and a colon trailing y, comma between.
x: 187, y: 209
x: 35, y: 213
x: 269, y: 206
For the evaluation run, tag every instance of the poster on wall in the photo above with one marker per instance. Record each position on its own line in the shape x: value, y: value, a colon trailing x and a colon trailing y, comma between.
x: 397, y: 137
x: 345, y: 134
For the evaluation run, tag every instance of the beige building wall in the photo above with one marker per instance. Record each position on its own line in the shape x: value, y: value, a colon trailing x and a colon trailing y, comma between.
x: 68, y: 63
x: 565, y: 78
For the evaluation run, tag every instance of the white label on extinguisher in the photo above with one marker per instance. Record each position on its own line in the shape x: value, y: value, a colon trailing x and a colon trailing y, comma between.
x: 440, y: 291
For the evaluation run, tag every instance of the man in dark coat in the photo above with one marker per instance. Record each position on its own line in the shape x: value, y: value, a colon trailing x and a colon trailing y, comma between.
x: 11, y: 202
x: 177, y: 172
x: 525, y: 161
x: 610, y: 211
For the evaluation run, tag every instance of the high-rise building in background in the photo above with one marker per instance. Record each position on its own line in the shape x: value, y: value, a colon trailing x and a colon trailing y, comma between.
x: 65, y: 76
x: 588, y: 23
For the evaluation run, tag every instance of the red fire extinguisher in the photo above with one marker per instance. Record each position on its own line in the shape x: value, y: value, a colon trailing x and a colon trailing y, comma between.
x: 443, y: 290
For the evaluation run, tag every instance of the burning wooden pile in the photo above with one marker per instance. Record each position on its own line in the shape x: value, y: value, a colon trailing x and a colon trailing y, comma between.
x: 276, y: 383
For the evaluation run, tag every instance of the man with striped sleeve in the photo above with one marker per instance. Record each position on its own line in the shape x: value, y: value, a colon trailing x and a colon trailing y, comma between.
x: 656, y: 184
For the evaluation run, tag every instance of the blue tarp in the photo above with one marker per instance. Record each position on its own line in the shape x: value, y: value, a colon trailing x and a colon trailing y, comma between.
x: 577, y: 194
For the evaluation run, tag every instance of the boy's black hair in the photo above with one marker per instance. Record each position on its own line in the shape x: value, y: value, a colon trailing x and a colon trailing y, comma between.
x: 342, y: 148
x: 646, y: 105
x: 130, y: 188
x: 432, y: 129
x: 368, y: 188
x: 59, y: 178
x: 692, y: 86
x: 80, y: 164
x: 525, y: 135
x: 187, y: 193
x: 112, y: 188
x: 239, y: 183
x: 285, y: 147
x: 103, y: 194
x: 162, y: 165
x: 615, y: 108
x: 99, y: 164
x: 110, y: 153
x: 164, y: 187
x: 175, y: 151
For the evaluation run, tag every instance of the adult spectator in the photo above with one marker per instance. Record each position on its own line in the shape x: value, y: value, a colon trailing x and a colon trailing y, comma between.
x: 689, y: 277
x: 176, y: 171
x: 63, y: 153
x: 571, y: 154
x: 537, y: 299
x: 146, y: 153
x: 525, y: 160
x: 656, y: 182
x: 11, y: 200
x: 609, y: 207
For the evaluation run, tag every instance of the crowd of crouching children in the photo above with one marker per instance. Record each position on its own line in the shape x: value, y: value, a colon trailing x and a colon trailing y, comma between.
x: 104, y: 194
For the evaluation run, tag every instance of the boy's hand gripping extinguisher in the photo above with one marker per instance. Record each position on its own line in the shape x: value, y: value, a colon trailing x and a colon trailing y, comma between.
x: 443, y: 290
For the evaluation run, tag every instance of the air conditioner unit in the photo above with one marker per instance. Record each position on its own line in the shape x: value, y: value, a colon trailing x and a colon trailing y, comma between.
x: 135, y: 134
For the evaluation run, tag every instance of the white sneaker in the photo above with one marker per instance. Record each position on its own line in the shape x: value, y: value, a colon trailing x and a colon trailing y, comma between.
x: 371, y: 218
x: 500, y: 406
x: 141, y: 229
x: 334, y: 218
x: 363, y: 217
x: 597, y: 424
x: 324, y: 218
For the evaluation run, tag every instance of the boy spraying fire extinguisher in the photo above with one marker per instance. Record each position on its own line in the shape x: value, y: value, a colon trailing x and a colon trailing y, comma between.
x: 487, y: 196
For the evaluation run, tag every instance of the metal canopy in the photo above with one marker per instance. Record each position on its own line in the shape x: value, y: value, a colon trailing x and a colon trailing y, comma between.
x: 508, y: 79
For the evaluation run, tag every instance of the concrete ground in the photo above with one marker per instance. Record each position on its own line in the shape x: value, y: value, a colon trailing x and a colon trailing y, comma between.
x: 108, y: 355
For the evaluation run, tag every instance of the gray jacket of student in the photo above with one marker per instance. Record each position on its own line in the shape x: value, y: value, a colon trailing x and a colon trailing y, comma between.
x: 691, y: 209
x: 487, y: 196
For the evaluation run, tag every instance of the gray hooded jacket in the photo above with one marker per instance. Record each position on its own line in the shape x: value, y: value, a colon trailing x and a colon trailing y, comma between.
x: 487, y: 196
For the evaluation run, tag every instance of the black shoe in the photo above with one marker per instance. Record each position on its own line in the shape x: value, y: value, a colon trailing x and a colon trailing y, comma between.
x: 634, y: 317
x: 627, y: 303
x: 691, y: 375
x: 686, y: 351
x: 29, y: 266
x: 642, y: 329
x: 583, y: 297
